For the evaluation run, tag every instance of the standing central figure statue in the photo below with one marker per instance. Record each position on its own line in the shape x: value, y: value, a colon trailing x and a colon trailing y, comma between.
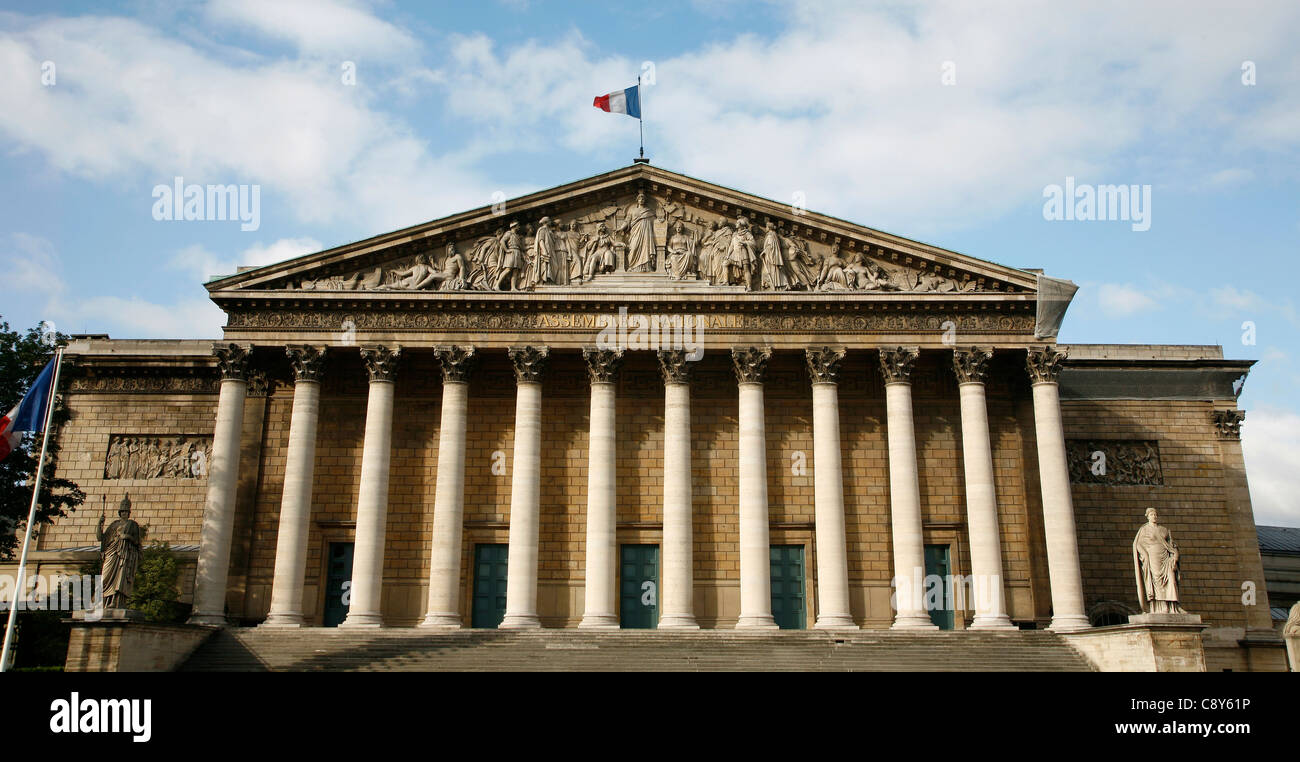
x: 120, y: 547
x: 1155, y: 563
x: 640, y: 236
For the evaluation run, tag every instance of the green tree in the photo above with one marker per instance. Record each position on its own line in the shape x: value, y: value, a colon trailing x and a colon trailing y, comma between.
x: 22, y: 356
x: 155, y: 591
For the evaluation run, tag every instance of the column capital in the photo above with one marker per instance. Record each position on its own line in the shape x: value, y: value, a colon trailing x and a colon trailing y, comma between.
x: 529, y: 363
x: 381, y: 362
x: 1228, y: 422
x: 824, y: 363
x: 456, y: 363
x: 233, y: 360
x: 971, y: 364
x: 602, y: 364
x: 674, y: 366
x: 750, y: 363
x: 1044, y: 364
x: 896, y: 363
x: 308, y: 361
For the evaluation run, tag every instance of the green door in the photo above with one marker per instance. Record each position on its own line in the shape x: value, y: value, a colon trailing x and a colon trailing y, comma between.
x: 489, y: 585
x: 788, y: 587
x: 638, y: 587
x: 938, y: 586
x: 338, y: 583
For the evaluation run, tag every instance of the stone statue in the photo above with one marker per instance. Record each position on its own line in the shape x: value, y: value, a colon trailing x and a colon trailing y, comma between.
x: 640, y: 236
x: 774, y: 276
x: 599, y: 253
x: 1155, y: 563
x: 119, y: 546
x: 681, y: 253
x: 512, y: 260
x: 742, y: 258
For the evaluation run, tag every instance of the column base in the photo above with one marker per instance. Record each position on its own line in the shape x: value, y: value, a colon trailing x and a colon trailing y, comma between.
x: 441, y: 622
x: 598, y: 622
x: 362, y: 622
x: 913, y: 622
x: 281, y: 621
x: 678, y: 622
x: 1070, y: 623
x: 835, y: 622
x: 520, y: 622
x: 993, y: 622
x: 756, y: 622
x: 212, y: 620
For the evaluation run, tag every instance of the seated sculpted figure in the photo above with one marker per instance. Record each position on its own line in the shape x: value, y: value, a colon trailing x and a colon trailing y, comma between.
x: 1155, y: 563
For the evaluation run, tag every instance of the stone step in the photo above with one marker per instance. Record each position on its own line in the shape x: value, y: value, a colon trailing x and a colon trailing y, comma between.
x: 400, y: 649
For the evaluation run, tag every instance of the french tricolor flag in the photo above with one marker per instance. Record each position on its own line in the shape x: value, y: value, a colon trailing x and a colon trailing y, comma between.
x: 27, y: 415
x: 621, y: 102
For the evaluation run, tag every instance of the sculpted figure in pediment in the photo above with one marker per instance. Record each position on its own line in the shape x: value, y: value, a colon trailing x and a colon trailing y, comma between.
x: 833, y: 276
x: 775, y: 272
x: 741, y: 257
x: 641, y: 251
x: 803, y: 266
x: 512, y: 260
x: 681, y: 260
x: 601, y: 252
x: 574, y: 242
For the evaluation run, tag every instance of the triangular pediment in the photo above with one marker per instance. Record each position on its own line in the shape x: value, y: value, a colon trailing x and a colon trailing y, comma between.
x: 638, y: 229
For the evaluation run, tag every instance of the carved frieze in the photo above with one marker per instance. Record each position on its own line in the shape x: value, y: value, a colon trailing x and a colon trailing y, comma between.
x: 603, y: 364
x: 1228, y: 422
x: 335, y: 322
x: 824, y: 363
x: 140, y: 382
x: 1114, y: 462
x: 971, y: 364
x: 896, y: 363
x: 1044, y: 364
x: 529, y: 363
x: 750, y: 363
x: 643, y: 232
x: 381, y: 362
x: 308, y: 362
x: 456, y: 363
x: 155, y: 456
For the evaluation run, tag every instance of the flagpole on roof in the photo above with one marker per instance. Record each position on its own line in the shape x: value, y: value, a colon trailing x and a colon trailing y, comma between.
x: 31, y: 514
x: 640, y: 122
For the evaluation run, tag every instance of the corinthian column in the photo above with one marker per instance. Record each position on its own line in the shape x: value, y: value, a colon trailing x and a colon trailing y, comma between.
x: 833, y: 610
x: 678, y: 584
x: 904, y: 490
x: 1044, y: 366
x: 295, y: 503
x: 602, y: 563
x: 755, y: 552
x: 525, y: 491
x: 372, y: 502
x: 443, y: 609
x: 971, y: 367
x: 223, y: 475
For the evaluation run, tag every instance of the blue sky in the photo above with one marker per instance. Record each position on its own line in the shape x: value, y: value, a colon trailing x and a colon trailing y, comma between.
x: 943, y: 122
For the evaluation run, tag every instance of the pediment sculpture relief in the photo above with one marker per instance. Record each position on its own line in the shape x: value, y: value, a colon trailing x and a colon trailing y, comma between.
x: 648, y: 235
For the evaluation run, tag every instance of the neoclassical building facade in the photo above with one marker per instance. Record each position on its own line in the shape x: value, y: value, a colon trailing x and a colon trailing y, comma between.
x: 642, y: 400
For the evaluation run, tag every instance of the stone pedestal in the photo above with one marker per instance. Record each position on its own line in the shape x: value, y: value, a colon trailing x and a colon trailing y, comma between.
x: 1148, y: 643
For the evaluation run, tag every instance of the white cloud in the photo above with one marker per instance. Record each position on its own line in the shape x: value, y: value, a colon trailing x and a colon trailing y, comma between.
x: 1122, y: 300
x: 204, y: 265
x: 347, y: 30
x: 1270, y: 441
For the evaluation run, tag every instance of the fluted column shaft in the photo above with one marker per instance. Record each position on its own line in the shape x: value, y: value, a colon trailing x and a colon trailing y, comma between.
x: 295, y: 502
x: 1068, y: 612
x: 755, y: 550
x: 981, y: 495
x: 678, y: 577
x: 599, y: 605
x: 833, y: 608
x: 443, y: 608
x: 366, y: 598
x: 525, y: 492
x: 218, y: 528
x: 904, y: 492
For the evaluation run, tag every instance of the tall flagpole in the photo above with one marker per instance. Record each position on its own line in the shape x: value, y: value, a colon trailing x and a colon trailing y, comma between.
x: 640, y: 123
x: 31, y: 513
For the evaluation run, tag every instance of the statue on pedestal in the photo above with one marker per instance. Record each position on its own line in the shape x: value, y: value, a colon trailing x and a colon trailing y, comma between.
x: 1291, y: 634
x: 1155, y: 563
x: 119, y: 545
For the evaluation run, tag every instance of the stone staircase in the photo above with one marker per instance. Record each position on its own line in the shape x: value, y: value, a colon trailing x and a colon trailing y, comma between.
x: 411, y: 649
